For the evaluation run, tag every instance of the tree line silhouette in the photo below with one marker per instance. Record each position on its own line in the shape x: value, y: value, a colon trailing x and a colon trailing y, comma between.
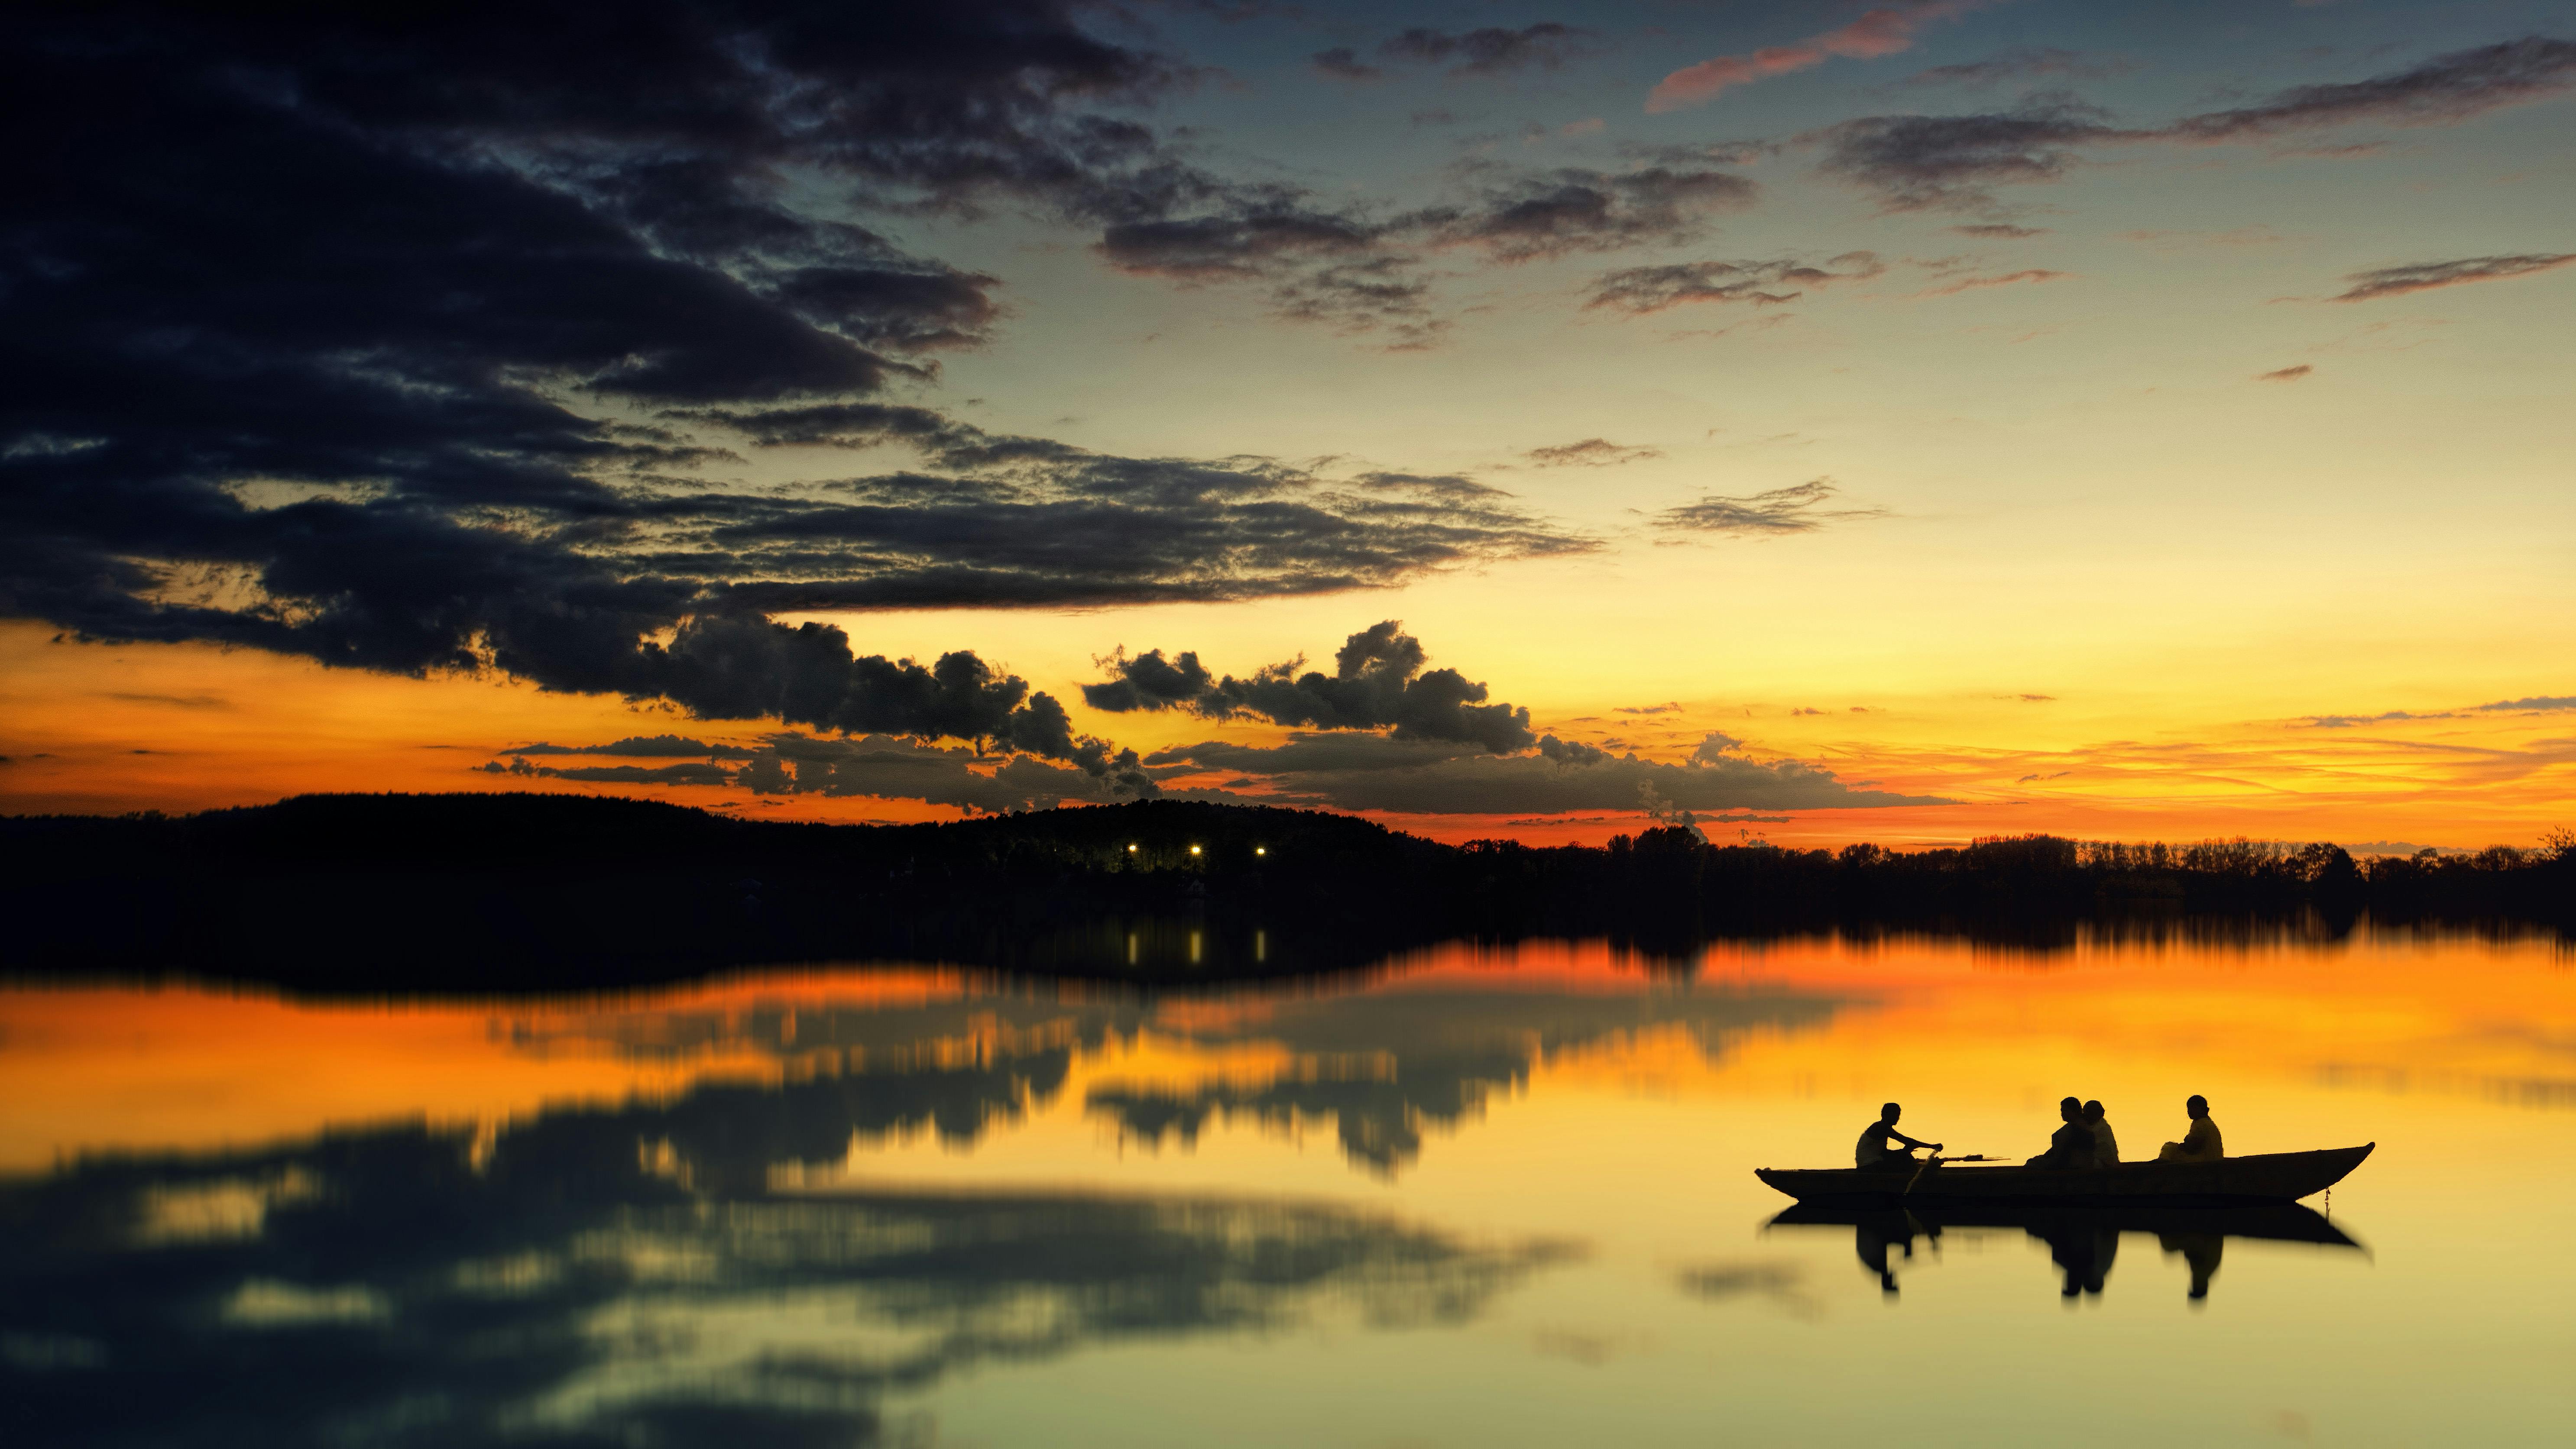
x: 536, y: 891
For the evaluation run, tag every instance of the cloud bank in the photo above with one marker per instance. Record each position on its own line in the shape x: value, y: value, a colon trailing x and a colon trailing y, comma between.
x: 424, y: 344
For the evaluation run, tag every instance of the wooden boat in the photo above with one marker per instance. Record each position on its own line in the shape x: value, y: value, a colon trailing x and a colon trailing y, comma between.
x: 2228, y: 1182
x: 2279, y: 1222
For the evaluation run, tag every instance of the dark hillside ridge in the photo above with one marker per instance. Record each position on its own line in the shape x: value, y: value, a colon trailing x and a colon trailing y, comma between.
x: 505, y: 892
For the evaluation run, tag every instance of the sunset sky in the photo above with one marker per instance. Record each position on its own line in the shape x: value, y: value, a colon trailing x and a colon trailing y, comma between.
x: 1905, y: 423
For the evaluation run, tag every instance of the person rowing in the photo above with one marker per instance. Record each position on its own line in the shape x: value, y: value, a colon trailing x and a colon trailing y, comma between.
x: 1873, y: 1150
x: 2202, y: 1143
x: 2072, y: 1144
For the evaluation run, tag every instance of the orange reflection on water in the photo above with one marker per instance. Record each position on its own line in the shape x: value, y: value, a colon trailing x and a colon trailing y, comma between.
x: 2304, y: 1046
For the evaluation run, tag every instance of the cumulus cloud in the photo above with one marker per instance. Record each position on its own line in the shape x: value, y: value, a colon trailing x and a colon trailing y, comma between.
x: 1378, y: 682
x: 1589, y: 453
x: 1492, y: 51
x: 1640, y: 291
x: 2285, y: 374
x: 1801, y: 508
x: 2425, y: 276
x: 1373, y: 772
x: 1884, y: 30
x: 418, y: 346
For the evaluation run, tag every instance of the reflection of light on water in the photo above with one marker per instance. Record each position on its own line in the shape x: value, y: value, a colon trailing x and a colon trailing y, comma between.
x: 868, y: 1195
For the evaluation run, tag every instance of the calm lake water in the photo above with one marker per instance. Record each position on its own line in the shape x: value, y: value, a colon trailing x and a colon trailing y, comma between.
x: 1479, y: 1197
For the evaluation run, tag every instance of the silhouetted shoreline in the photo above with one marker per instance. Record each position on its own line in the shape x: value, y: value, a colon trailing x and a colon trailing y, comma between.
x: 510, y: 892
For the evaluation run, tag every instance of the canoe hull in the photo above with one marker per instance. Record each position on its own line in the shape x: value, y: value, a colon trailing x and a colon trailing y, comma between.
x: 2229, y: 1182
x: 2279, y: 1222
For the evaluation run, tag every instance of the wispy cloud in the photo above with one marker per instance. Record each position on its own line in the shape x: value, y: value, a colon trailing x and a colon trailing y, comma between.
x: 2284, y: 374
x: 1493, y: 51
x: 1643, y: 290
x: 2447, y: 88
x: 2425, y: 276
x: 1885, y: 30
x: 1916, y: 162
x: 1802, y: 508
x: 1968, y: 284
x: 1590, y: 453
x: 2019, y: 64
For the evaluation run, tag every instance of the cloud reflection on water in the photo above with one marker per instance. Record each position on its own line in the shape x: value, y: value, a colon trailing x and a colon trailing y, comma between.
x: 628, y: 1275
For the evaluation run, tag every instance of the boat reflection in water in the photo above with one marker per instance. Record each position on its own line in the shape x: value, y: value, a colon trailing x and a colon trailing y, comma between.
x: 2083, y: 1242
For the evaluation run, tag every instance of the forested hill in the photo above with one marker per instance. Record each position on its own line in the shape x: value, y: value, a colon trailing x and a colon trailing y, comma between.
x: 535, y: 891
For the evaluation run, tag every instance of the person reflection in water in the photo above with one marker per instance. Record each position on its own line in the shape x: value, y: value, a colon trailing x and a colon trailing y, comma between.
x: 1873, y: 1150
x: 2072, y: 1144
x: 2200, y: 1252
x: 2106, y: 1148
x: 1875, y: 1234
x: 2202, y: 1143
x: 2084, y: 1251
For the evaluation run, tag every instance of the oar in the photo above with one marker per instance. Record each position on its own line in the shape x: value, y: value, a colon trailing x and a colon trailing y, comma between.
x: 1927, y: 1166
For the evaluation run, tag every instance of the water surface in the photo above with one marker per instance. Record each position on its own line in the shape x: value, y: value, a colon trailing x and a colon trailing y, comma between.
x: 1477, y: 1197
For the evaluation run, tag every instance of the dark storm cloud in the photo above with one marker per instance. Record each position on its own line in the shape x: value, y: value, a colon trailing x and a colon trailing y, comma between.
x: 2024, y: 63
x: 1373, y: 772
x: 1492, y: 51
x: 386, y: 338
x: 1378, y: 683
x: 2425, y: 276
x: 1801, y: 508
x: 1640, y: 291
x: 2445, y: 89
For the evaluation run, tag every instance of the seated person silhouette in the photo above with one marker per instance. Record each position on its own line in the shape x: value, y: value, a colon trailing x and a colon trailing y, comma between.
x: 1873, y: 1151
x: 2106, y: 1148
x: 2202, y: 1143
x: 2072, y: 1144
